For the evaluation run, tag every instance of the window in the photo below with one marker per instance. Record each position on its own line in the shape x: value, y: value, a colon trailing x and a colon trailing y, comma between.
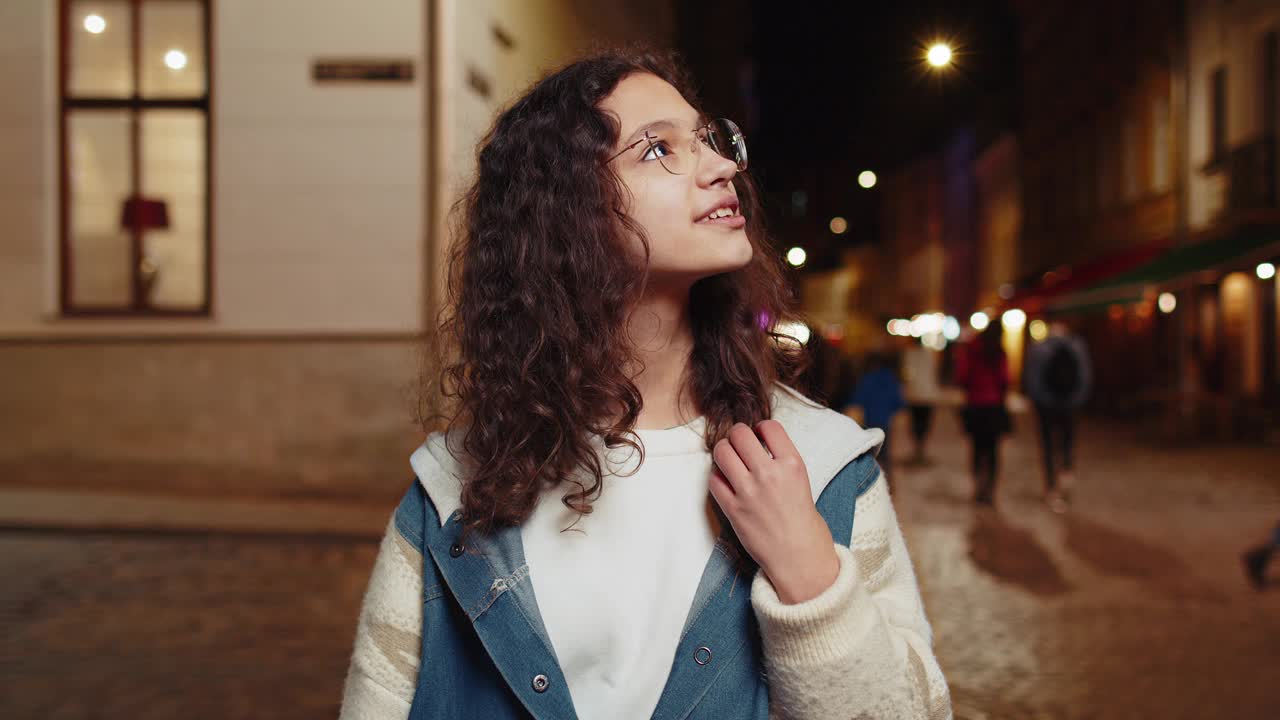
x: 1269, y: 79
x: 1218, y: 117
x: 1130, y: 156
x: 1160, y: 143
x: 134, y: 85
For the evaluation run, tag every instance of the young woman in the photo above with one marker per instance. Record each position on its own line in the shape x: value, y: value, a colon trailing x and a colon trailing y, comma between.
x: 982, y: 369
x: 631, y: 514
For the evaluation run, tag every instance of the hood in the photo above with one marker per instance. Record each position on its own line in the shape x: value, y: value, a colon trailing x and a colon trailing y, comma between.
x: 826, y: 439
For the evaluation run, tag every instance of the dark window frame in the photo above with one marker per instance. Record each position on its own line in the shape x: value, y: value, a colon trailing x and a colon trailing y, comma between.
x: 136, y: 105
x: 1218, y: 117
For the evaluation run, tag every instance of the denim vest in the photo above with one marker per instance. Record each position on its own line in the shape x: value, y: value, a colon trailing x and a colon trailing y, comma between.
x: 486, y: 653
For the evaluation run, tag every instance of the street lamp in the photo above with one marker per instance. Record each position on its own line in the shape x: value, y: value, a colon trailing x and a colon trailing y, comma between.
x: 939, y: 55
x: 867, y: 179
x: 796, y: 256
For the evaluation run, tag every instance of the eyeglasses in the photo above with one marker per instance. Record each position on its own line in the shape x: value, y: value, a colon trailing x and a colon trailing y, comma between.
x: 665, y: 146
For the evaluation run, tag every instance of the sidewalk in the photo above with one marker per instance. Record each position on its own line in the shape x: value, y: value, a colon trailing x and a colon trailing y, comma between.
x: 1131, y: 605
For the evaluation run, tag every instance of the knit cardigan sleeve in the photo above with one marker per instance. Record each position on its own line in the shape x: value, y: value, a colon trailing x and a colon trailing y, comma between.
x: 863, y: 648
x: 383, y: 673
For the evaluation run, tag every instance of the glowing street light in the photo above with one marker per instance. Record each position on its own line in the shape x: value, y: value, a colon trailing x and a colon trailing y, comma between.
x: 867, y: 179
x: 1013, y: 319
x: 1266, y: 271
x: 939, y: 55
x: 1039, y: 330
x: 839, y: 225
x: 979, y: 321
x: 1168, y: 302
x: 796, y: 256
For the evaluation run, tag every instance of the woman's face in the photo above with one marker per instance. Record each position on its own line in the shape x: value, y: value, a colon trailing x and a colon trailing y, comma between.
x: 684, y: 243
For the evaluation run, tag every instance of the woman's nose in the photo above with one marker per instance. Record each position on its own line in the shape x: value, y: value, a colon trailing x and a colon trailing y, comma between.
x: 714, y: 167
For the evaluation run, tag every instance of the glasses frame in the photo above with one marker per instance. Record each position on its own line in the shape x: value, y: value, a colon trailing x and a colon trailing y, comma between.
x: 702, y: 134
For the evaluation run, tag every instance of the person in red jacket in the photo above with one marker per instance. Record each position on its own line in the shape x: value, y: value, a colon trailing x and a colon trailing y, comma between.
x: 983, y: 371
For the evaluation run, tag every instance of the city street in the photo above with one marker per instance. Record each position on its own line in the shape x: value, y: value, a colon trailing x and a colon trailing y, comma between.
x: 1131, y: 605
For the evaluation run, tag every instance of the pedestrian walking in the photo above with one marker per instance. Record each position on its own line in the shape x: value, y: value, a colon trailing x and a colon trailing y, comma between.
x: 923, y: 393
x: 572, y: 543
x: 1057, y: 378
x: 982, y: 370
x: 879, y: 394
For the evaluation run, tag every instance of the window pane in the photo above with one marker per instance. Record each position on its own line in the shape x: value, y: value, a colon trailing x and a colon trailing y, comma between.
x: 173, y: 49
x: 99, y: 181
x: 99, y: 63
x: 1160, y: 144
x: 173, y: 173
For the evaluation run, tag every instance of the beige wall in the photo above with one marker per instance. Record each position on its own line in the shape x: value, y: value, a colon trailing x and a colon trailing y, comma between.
x: 28, y: 180
x: 1230, y: 34
x: 912, y: 224
x: 999, y: 217
x: 544, y: 34
x: 855, y: 296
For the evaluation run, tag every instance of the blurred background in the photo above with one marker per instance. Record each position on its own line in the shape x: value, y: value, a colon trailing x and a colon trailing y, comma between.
x: 223, y: 230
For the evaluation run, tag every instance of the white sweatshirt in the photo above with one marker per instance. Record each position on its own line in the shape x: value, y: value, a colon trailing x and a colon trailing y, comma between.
x: 614, y: 591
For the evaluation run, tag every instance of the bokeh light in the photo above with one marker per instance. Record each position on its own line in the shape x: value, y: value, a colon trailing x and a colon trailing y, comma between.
x: 1013, y: 319
x: 939, y: 54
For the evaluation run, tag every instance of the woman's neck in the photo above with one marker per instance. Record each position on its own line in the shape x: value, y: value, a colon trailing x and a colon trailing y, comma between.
x: 663, y: 343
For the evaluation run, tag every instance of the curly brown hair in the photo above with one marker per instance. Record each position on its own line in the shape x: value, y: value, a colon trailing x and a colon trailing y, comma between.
x: 532, y: 348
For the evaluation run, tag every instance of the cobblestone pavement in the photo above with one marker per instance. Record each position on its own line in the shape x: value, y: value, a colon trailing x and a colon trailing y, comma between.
x: 1131, y: 605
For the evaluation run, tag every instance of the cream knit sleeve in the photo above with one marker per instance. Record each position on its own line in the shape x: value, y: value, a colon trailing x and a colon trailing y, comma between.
x: 384, y: 663
x: 863, y: 648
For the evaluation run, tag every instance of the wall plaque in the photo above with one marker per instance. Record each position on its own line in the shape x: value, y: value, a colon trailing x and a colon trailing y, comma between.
x: 336, y: 70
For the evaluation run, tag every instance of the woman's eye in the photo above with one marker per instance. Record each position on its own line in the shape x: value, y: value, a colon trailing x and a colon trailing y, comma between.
x: 657, y: 149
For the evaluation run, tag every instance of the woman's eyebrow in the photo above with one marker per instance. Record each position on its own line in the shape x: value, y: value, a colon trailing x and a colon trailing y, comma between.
x: 665, y: 124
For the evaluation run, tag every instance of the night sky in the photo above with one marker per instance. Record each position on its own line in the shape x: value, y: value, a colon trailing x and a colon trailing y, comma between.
x: 841, y: 87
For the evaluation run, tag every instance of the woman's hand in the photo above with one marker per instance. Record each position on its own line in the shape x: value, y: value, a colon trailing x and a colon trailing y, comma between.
x: 764, y: 491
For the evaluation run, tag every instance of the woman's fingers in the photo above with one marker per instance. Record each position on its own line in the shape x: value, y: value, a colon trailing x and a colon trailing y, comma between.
x: 776, y: 439
x: 722, y: 491
x: 747, y: 445
x: 730, y: 465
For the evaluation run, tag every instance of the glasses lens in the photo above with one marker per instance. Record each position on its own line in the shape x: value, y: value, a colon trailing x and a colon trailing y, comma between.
x: 674, y: 152
x: 727, y: 140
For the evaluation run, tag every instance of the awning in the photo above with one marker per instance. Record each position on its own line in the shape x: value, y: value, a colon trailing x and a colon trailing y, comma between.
x: 1236, y: 249
x: 1063, y: 281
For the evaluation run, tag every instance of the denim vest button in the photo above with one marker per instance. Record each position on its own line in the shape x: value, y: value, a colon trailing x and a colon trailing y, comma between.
x: 455, y: 550
x: 702, y: 655
x: 540, y: 683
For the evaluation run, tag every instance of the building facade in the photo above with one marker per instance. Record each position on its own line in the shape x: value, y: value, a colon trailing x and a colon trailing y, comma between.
x: 225, y: 227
